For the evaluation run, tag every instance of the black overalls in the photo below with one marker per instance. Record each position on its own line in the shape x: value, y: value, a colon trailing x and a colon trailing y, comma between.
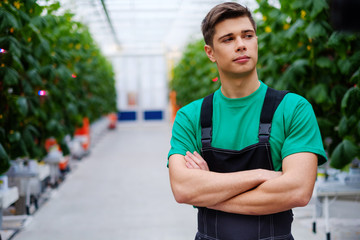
x: 218, y: 225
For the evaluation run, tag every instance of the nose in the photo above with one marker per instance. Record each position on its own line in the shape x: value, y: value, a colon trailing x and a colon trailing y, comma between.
x: 240, y: 46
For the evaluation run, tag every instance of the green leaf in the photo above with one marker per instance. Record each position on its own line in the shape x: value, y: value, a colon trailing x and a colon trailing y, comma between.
x: 335, y: 40
x: 299, y: 66
x: 71, y: 109
x: 355, y: 77
x: 31, y: 4
x: 63, y: 72
x: 318, y: 6
x: 21, y: 150
x: 51, y: 125
x: 27, y: 137
x: 343, y: 154
x: 34, y: 77
x: 44, y: 44
x: 296, y: 5
x: 11, y: 77
x: 43, y: 49
x: 350, y: 148
x: 17, y: 64
x: 355, y: 58
x: 14, y: 48
x: 350, y: 101
x: 338, y: 92
x: 8, y: 20
x: 32, y: 130
x: 324, y: 62
x: 32, y: 61
x: 343, y: 127
x: 294, y: 28
x: 55, y: 128
x: 319, y: 93
x: 21, y: 102
x: 24, y: 16
x: 344, y: 66
x: 315, y: 29
x: 53, y: 7
x: 39, y: 22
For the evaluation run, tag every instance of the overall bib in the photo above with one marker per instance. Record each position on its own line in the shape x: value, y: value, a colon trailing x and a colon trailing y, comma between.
x: 218, y: 225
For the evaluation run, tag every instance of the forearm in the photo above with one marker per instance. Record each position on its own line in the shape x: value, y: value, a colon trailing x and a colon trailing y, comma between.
x: 270, y: 197
x: 206, y: 188
x: 292, y: 189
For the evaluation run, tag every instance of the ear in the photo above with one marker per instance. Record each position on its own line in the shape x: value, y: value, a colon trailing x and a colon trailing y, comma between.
x: 210, y: 53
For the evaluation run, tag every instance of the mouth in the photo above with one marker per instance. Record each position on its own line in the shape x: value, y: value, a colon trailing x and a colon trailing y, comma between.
x: 241, y: 59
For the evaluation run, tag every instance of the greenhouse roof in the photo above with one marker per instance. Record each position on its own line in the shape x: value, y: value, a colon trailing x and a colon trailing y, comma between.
x: 138, y: 26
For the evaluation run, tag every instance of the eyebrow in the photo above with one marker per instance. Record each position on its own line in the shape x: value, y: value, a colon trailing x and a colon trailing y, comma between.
x: 230, y: 34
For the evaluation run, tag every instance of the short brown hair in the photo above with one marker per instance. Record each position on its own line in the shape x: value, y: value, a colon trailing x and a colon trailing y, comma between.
x: 220, y: 13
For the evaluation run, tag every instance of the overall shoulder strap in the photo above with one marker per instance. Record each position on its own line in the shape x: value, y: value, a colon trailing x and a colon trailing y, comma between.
x: 206, y: 120
x: 272, y: 100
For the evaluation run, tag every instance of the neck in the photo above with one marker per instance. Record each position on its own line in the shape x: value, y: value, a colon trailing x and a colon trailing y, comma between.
x: 239, y: 87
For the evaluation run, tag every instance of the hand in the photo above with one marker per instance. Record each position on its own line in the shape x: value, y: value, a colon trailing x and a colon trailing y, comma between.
x: 195, y: 161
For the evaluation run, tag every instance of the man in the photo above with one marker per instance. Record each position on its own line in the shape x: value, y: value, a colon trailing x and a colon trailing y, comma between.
x: 243, y: 188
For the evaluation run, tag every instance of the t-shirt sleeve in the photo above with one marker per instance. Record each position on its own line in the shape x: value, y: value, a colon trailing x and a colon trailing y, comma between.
x: 184, y: 131
x: 303, y: 133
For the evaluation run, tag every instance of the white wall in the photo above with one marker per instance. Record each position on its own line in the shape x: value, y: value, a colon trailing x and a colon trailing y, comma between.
x: 143, y: 78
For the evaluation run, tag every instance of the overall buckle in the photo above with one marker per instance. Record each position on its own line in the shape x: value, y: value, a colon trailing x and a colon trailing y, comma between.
x: 264, y: 132
x: 206, y: 137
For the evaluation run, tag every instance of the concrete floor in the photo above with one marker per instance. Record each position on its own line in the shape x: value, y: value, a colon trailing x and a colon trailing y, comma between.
x: 121, y: 191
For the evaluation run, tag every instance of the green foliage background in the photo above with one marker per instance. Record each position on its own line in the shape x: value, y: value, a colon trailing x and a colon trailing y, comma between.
x: 299, y: 51
x: 47, y: 51
x: 193, y: 75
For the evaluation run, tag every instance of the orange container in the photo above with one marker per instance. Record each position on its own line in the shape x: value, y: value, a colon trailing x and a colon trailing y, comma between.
x: 112, y: 120
x: 84, y: 133
x: 174, y: 106
x: 85, y: 129
x: 64, y: 163
x: 50, y: 142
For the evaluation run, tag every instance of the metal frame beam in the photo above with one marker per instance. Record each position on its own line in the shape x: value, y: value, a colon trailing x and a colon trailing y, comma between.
x: 110, y: 23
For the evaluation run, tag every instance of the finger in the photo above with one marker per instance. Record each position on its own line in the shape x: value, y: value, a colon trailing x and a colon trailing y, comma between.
x: 196, y: 154
x: 191, y: 156
x: 191, y: 162
x: 197, y: 159
x: 188, y: 165
x: 200, y: 161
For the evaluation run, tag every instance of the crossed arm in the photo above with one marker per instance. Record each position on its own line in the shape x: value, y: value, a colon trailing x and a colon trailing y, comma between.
x: 252, y: 192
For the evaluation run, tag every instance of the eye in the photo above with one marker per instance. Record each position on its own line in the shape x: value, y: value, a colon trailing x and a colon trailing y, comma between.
x: 228, y: 39
x: 249, y: 36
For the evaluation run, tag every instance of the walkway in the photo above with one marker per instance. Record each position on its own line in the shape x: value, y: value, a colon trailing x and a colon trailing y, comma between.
x: 121, y: 191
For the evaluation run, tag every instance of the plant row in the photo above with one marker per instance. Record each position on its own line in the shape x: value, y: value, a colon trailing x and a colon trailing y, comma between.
x: 52, y: 76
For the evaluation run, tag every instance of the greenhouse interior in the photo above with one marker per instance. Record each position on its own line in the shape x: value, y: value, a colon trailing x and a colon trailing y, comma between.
x: 98, y: 96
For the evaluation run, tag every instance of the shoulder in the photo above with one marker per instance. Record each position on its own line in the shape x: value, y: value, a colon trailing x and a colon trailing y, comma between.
x: 189, y: 114
x: 297, y: 113
x: 293, y: 98
x: 293, y: 102
x: 295, y: 110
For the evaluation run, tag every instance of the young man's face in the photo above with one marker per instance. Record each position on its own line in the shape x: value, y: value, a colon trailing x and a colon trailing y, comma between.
x: 235, y: 48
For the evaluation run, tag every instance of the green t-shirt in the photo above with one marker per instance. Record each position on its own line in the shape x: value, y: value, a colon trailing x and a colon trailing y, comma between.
x: 236, y: 126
